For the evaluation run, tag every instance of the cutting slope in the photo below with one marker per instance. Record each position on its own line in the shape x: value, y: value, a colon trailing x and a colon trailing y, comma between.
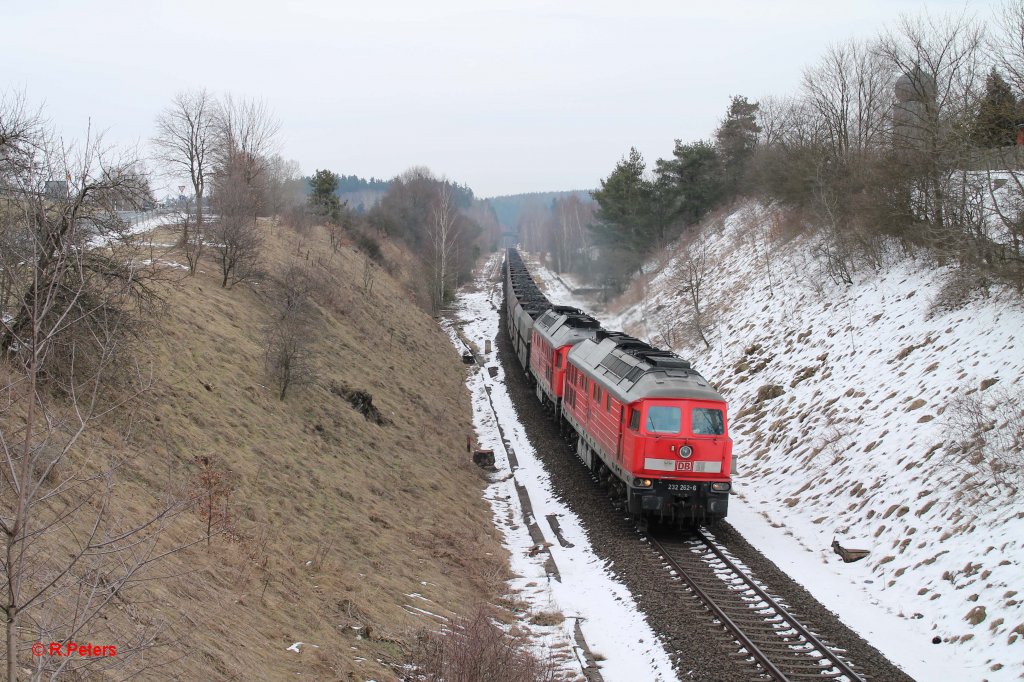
x: 344, y: 536
x: 849, y: 405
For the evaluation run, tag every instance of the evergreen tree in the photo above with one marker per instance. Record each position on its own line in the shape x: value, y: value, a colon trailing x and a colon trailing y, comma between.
x: 736, y: 139
x: 691, y: 181
x: 625, y: 206
x: 996, y: 122
x: 322, y: 198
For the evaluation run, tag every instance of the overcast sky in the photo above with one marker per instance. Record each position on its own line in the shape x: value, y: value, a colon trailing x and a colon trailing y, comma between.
x: 507, y: 97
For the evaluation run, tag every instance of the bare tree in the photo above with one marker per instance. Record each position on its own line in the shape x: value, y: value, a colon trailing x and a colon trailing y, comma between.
x: 236, y: 240
x: 444, y: 233
x: 246, y: 132
x: 184, y: 142
x: 693, y: 278
x: 65, y: 336
x: 284, y: 184
x: 1006, y: 44
x: 941, y: 61
x: 1006, y: 50
x: 21, y: 133
x: 851, y: 91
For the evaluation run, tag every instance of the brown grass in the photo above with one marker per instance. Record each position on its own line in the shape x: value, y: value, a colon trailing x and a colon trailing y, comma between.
x: 474, y: 649
x: 334, y: 519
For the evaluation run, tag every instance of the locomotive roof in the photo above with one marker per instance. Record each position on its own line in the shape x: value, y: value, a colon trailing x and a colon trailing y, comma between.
x: 562, y: 325
x: 630, y: 369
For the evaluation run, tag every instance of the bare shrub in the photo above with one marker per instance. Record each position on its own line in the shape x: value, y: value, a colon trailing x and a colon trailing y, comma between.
x: 833, y: 445
x: 300, y: 220
x: 959, y: 287
x: 289, y: 354
x: 985, y: 442
x: 368, y: 275
x: 193, y: 237
x: 289, y: 337
x: 212, y: 486
x: 473, y: 649
x: 370, y: 246
x: 696, y: 271
x: 295, y: 288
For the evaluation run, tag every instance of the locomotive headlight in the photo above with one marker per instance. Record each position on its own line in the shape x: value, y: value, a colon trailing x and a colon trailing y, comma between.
x: 642, y: 482
x: 721, y: 487
x: 685, y: 451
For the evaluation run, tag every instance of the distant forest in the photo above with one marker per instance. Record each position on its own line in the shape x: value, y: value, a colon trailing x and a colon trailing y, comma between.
x: 352, y: 183
x: 510, y: 208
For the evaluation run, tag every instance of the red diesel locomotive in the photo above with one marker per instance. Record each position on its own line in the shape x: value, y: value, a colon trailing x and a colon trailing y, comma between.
x: 645, y: 422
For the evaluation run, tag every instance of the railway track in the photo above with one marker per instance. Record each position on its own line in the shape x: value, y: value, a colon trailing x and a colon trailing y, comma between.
x: 772, y: 641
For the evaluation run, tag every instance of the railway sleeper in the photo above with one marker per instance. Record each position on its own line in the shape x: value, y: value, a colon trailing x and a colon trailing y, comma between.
x: 779, y: 647
x: 753, y: 624
x: 769, y: 639
x: 747, y: 615
x: 825, y: 669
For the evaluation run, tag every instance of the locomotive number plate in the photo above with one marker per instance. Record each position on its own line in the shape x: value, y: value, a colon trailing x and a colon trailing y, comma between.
x: 682, y: 487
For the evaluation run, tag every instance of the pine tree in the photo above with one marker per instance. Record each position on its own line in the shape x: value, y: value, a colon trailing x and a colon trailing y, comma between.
x: 625, y: 203
x: 996, y: 122
x: 322, y: 198
x: 693, y: 179
x: 736, y: 139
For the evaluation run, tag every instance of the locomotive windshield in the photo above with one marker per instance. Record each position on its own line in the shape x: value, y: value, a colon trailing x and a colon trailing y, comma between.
x: 708, y: 422
x: 663, y: 419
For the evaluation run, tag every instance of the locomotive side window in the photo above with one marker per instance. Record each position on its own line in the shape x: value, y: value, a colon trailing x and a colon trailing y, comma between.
x: 634, y: 420
x: 607, y: 403
x: 664, y: 419
x: 708, y: 422
x: 558, y: 360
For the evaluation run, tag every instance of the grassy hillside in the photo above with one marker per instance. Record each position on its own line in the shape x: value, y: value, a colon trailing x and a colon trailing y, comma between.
x: 341, y: 533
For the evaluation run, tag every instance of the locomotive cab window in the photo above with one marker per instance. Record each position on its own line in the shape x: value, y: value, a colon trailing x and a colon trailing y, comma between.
x: 664, y: 419
x: 634, y: 420
x: 558, y: 360
x: 708, y: 422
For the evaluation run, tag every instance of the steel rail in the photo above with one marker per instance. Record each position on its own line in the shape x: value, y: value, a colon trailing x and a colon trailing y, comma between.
x: 747, y: 643
x: 758, y: 653
x: 825, y: 651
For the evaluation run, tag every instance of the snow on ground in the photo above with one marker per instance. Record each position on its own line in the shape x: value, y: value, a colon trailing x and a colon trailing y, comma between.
x: 872, y: 380
x: 139, y: 223
x: 560, y: 287
x: 586, y: 591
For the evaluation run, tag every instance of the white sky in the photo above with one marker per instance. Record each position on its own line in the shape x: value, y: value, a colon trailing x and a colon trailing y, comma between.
x: 507, y: 97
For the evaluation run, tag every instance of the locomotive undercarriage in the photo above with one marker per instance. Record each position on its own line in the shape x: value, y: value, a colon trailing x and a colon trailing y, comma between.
x: 698, y: 507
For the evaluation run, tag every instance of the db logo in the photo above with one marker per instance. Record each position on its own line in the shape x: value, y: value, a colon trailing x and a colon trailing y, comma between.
x: 684, y: 466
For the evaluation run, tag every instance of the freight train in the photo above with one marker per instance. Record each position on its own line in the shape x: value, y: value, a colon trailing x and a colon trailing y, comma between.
x: 647, y: 424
